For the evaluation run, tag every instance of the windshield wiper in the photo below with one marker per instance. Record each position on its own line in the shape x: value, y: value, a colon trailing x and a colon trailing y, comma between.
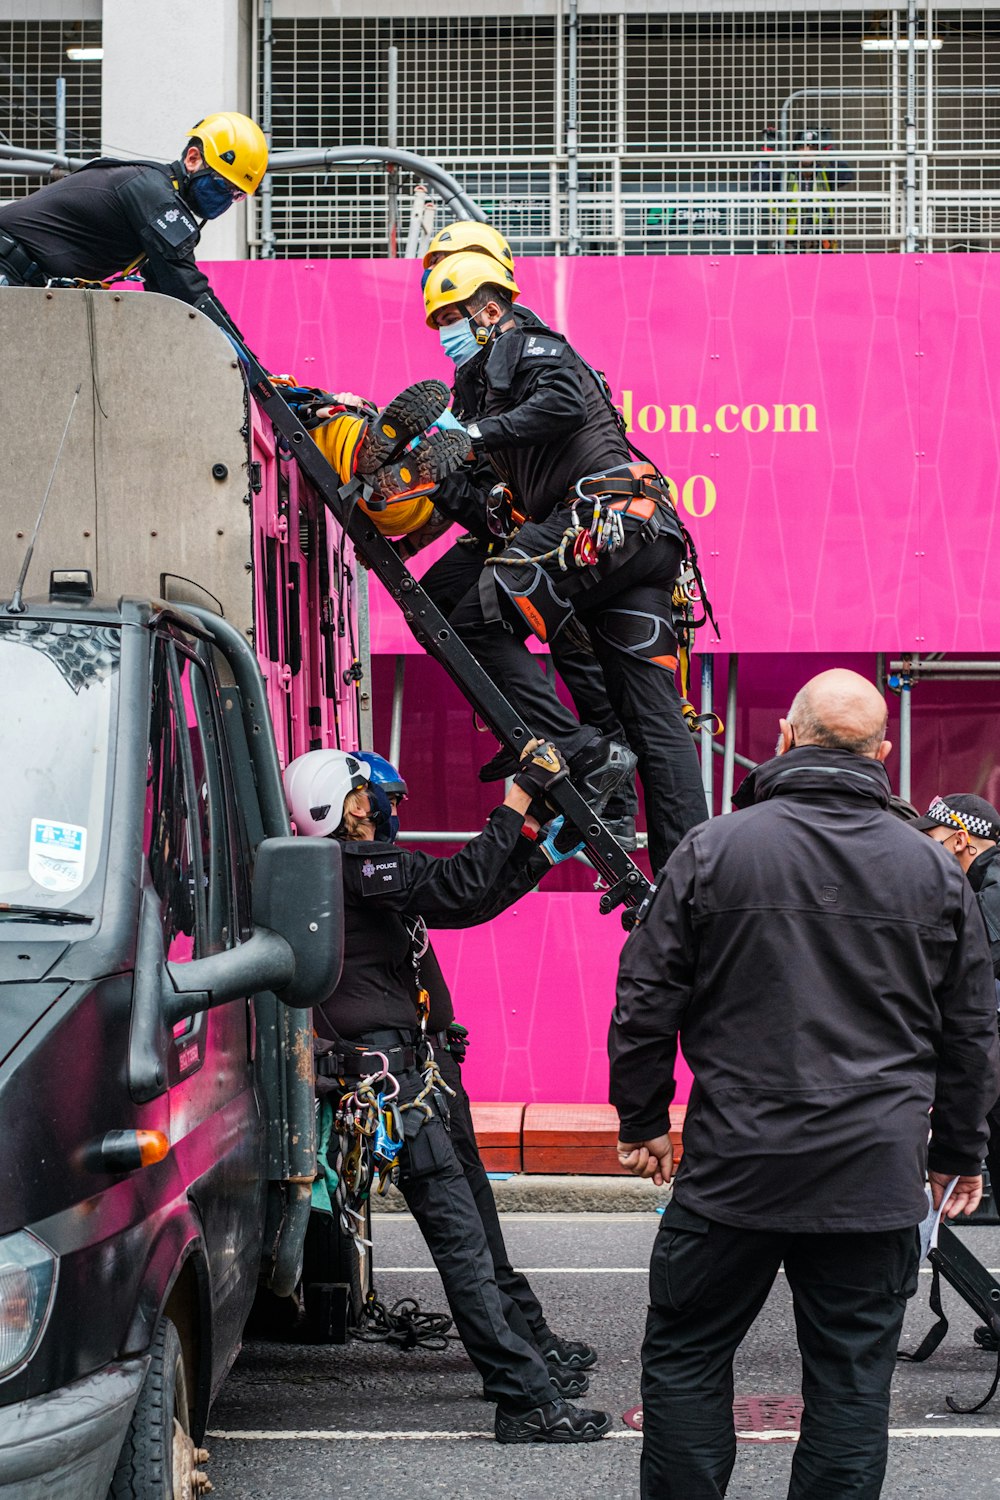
x: 40, y: 914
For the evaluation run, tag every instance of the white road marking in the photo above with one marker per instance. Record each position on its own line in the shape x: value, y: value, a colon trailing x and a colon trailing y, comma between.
x: 528, y: 1270
x: 583, y: 1270
x: 325, y: 1435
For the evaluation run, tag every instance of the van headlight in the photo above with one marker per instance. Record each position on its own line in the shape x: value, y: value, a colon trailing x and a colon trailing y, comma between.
x: 27, y: 1281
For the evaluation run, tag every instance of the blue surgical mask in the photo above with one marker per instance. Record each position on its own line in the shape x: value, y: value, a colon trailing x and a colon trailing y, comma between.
x: 459, y: 342
x: 209, y: 194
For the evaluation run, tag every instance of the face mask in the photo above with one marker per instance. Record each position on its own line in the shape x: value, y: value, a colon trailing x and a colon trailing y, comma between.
x: 459, y: 342
x: 210, y: 195
x: 381, y: 813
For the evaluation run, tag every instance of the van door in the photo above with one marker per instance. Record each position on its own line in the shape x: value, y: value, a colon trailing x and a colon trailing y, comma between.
x: 199, y: 867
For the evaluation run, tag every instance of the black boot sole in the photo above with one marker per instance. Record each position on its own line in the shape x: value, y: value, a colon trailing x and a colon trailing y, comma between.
x: 405, y: 418
x: 422, y: 470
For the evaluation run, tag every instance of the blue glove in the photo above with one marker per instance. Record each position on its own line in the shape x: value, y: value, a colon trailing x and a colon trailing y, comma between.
x: 556, y: 845
x: 448, y: 421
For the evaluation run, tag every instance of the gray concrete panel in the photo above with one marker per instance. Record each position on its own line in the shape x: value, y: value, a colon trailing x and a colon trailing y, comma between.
x: 162, y: 401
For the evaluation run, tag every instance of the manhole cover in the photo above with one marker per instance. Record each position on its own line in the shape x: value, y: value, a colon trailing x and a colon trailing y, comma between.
x: 767, y: 1419
x: 757, y: 1419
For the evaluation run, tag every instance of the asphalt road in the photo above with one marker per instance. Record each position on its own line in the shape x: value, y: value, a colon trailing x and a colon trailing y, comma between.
x: 367, y: 1421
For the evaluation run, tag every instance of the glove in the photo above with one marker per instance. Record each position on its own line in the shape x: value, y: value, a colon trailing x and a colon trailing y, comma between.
x: 542, y: 765
x: 561, y: 841
x: 448, y: 422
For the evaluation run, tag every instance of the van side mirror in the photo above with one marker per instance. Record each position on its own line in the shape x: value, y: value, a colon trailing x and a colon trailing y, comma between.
x: 298, y: 893
x: 297, y: 946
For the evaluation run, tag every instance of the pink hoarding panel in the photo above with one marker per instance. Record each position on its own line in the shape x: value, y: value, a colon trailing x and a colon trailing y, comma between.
x: 536, y: 988
x: 829, y: 422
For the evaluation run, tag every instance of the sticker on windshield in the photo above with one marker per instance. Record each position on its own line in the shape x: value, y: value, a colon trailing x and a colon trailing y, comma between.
x: 56, y: 854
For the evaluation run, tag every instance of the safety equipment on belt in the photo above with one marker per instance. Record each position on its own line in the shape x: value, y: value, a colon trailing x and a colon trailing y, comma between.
x: 235, y: 147
x: 459, y: 342
x: 316, y: 786
x: 20, y: 261
x: 453, y: 281
x: 540, y: 767
x: 383, y: 773
x: 530, y: 590
x: 468, y: 234
x: 501, y: 518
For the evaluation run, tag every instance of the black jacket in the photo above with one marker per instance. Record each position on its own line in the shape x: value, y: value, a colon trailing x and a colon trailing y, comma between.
x: 386, y: 888
x: 984, y: 877
x: 544, y: 421
x: 98, y: 220
x: 827, y: 970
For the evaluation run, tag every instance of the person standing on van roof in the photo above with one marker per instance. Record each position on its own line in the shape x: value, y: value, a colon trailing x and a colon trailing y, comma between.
x: 372, y: 1017
x: 112, y: 217
x: 542, y: 417
x: 830, y: 977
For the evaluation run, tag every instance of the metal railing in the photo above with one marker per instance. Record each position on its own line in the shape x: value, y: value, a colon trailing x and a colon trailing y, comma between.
x: 690, y: 203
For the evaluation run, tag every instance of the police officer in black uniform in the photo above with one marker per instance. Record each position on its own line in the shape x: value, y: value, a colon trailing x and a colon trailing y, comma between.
x: 112, y: 216
x: 371, y: 1017
x: 461, y: 499
x: 450, y: 1042
x: 543, y: 418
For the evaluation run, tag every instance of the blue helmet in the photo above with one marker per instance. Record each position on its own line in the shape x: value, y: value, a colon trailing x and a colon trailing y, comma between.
x: 382, y: 774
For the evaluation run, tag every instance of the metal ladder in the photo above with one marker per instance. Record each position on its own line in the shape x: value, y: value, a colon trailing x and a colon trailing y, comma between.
x: 625, y: 882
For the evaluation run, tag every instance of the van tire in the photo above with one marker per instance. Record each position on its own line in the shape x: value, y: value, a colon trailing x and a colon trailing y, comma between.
x: 146, y: 1464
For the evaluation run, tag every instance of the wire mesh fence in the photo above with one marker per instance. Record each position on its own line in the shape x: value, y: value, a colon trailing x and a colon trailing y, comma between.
x: 692, y: 127
x: 33, y: 55
x: 743, y: 129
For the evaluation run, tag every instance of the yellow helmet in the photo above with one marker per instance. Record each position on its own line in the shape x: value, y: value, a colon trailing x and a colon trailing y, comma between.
x: 234, y: 146
x: 400, y: 517
x: 455, y: 280
x: 339, y: 440
x: 468, y: 234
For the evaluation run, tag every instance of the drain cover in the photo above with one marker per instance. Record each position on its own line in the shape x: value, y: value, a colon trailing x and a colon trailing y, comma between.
x: 767, y: 1419
x: 757, y: 1419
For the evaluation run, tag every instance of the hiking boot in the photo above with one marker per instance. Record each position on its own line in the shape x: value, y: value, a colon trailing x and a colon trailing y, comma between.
x: 565, y: 1383
x: 568, y: 1383
x: 567, y: 1354
x: 599, y: 769
x: 558, y: 1422
x: 420, y: 470
x: 406, y: 417
x: 622, y: 830
x: 500, y: 766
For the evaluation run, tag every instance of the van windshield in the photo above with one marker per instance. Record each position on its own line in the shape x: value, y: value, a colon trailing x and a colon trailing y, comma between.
x: 58, y: 714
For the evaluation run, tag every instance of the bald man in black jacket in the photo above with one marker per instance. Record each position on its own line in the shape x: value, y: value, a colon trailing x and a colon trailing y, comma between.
x: 829, y: 974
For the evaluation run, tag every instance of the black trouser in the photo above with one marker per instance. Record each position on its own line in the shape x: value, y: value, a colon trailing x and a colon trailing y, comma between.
x: 626, y: 608
x: 993, y: 1149
x: 707, y: 1283
x: 524, y: 1314
x: 437, y: 1194
x: 8, y: 276
x: 448, y: 581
